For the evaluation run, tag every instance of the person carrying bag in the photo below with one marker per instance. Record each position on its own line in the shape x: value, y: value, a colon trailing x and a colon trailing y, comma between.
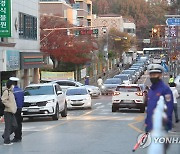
x: 10, y: 109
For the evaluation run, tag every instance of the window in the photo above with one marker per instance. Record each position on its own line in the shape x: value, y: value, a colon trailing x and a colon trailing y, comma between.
x: 27, y: 26
x: 76, y: 5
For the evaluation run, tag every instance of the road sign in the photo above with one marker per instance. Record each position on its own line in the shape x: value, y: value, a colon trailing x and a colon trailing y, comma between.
x: 86, y: 32
x: 173, y: 21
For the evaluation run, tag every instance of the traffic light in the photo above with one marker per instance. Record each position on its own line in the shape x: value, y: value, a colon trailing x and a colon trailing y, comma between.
x: 154, y: 32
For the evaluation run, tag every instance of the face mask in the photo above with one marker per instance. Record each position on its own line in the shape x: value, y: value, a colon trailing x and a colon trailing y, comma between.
x: 154, y: 80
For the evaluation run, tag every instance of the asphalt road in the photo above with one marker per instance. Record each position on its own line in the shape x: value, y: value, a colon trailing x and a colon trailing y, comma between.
x: 95, y: 131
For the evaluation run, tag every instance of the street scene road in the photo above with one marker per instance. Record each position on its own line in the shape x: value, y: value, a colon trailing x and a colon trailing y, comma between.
x: 84, y: 131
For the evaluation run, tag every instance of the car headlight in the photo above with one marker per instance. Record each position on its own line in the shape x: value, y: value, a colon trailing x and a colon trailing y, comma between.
x: 51, y: 101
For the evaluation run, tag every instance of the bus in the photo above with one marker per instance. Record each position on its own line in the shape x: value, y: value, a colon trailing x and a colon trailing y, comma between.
x: 155, y: 51
x: 156, y: 55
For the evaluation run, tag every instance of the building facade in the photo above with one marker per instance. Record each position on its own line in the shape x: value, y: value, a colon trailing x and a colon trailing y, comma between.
x: 109, y: 21
x: 129, y: 27
x: 84, y: 12
x: 62, y: 8
x: 20, y: 53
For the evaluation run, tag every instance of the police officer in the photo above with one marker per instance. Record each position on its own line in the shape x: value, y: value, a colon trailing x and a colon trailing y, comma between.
x: 157, y: 89
x: 19, y: 97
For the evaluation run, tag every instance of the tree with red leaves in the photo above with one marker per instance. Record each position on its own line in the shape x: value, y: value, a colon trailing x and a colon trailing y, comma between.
x: 69, y: 50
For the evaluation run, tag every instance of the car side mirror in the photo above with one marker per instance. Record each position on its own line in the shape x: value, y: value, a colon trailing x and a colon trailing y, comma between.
x: 59, y: 93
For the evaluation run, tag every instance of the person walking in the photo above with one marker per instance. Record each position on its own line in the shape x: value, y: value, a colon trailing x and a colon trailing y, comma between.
x: 175, y: 96
x: 86, y: 80
x: 19, y: 97
x: 157, y: 89
x: 100, y: 82
x: 10, y: 109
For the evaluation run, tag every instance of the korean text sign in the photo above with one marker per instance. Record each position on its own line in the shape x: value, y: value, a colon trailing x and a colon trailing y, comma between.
x: 5, y: 18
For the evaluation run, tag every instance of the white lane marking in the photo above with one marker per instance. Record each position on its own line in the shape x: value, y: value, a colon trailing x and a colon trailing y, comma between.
x: 97, y: 104
x: 100, y: 107
x: 28, y: 129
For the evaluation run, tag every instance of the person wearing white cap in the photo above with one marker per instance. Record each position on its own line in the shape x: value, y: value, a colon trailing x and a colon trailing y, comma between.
x: 19, y: 97
x: 157, y: 89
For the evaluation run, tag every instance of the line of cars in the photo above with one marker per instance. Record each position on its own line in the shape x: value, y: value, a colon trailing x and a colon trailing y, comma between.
x: 126, y: 93
x: 129, y: 94
x: 55, y: 97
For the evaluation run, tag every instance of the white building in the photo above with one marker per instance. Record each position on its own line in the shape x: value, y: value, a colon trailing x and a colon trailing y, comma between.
x: 109, y: 21
x: 129, y: 27
x: 20, y: 53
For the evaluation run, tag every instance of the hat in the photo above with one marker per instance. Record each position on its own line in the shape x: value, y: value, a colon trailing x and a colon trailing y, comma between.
x: 155, y: 68
x: 14, y: 79
x: 9, y: 84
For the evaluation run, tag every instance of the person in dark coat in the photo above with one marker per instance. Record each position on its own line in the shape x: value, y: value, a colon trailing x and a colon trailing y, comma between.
x: 19, y: 97
x: 157, y: 89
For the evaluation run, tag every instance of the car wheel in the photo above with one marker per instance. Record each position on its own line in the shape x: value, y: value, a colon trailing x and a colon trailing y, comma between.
x: 56, y: 115
x: 114, y: 109
x: 142, y: 110
x: 64, y: 112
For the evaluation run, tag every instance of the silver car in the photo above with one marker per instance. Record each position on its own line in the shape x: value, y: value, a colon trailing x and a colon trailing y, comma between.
x: 125, y: 78
x: 110, y: 85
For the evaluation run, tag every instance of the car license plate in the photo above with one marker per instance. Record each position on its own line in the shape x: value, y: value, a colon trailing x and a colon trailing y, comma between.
x: 33, y: 110
x: 127, y: 101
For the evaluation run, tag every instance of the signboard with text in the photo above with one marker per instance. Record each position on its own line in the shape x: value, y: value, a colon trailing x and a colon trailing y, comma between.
x: 86, y: 32
x: 57, y: 75
x: 12, y: 60
x: 5, y: 18
x: 173, y: 21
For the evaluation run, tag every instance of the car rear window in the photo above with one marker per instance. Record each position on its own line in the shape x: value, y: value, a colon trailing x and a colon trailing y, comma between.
x: 70, y: 92
x: 128, y: 89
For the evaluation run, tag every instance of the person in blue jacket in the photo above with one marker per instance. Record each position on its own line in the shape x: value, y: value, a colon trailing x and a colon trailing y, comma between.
x: 19, y: 97
x: 157, y: 89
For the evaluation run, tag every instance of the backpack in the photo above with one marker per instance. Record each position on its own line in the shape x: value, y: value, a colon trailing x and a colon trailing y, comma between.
x: 2, y: 107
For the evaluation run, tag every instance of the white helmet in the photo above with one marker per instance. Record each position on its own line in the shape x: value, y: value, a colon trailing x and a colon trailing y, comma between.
x: 155, y: 68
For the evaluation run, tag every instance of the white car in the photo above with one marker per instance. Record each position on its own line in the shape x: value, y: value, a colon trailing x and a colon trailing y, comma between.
x: 128, y: 96
x: 177, y: 81
x: 65, y: 84
x: 78, y: 98
x: 44, y: 100
x: 93, y: 90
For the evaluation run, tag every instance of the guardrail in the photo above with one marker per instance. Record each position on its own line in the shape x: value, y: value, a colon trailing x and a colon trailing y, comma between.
x: 158, y: 128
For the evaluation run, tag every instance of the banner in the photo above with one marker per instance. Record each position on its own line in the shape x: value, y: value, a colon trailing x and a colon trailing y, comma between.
x: 83, y: 73
x: 5, y: 18
x: 57, y: 75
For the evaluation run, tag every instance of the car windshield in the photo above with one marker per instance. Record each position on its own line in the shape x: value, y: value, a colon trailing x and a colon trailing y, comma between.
x: 39, y: 90
x: 128, y: 89
x: 112, y: 81
x: 122, y: 77
x: 76, y: 92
